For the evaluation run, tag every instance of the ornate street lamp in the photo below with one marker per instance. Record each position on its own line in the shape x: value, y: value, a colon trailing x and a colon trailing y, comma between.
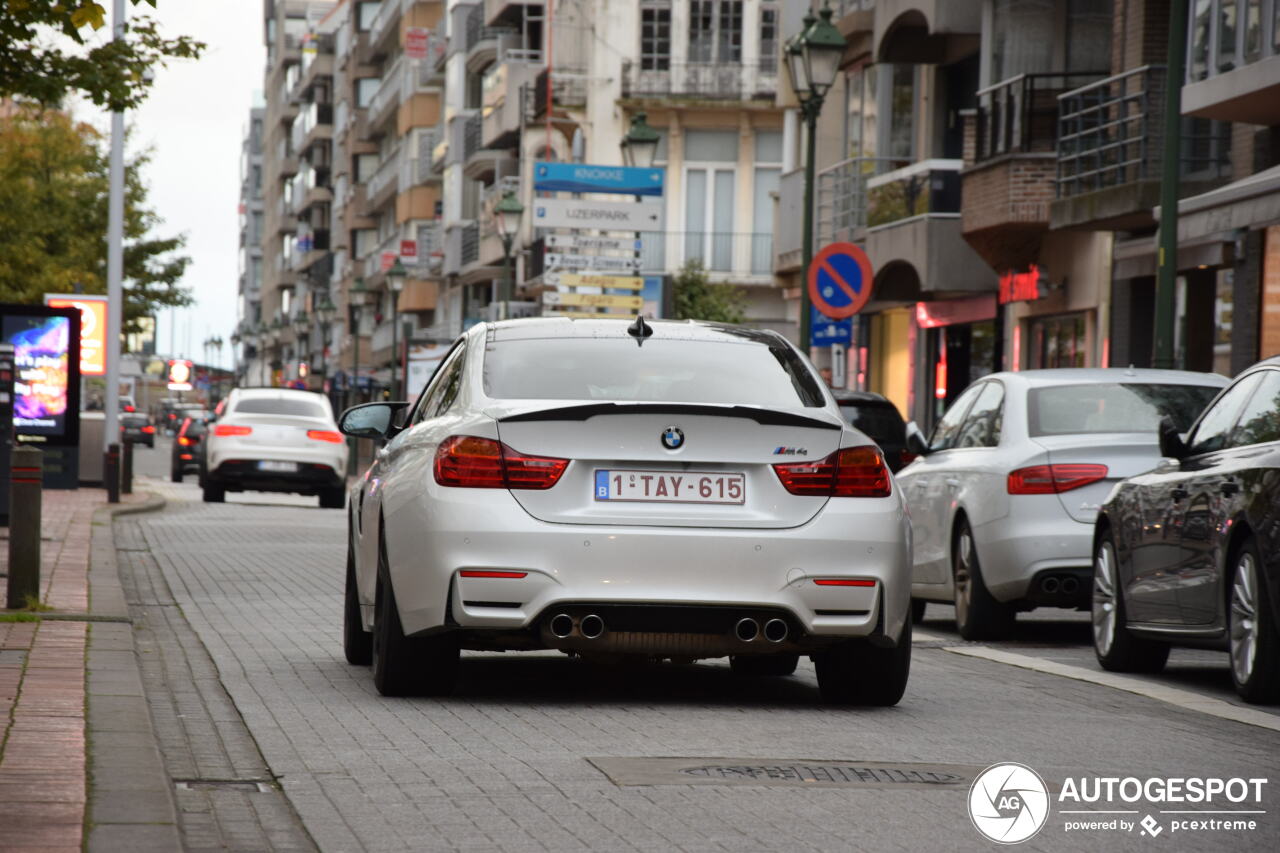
x: 302, y: 336
x: 395, y: 283
x: 326, y: 311
x: 356, y: 297
x: 813, y: 58
x: 640, y: 145
x: 506, y: 214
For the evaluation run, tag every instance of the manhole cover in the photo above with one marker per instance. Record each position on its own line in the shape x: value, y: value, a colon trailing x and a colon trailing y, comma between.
x: 246, y: 785
x: 794, y: 773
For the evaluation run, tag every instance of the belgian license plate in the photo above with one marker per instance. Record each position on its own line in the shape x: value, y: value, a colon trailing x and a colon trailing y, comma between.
x: 670, y: 487
x: 278, y: 466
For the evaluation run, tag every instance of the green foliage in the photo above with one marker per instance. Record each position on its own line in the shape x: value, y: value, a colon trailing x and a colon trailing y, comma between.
x: 696, y: 298
x: 37, y: 63
x: 53, y: 219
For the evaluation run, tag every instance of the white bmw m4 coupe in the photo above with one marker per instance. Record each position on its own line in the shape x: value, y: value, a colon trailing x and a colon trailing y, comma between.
x: 652, y: 490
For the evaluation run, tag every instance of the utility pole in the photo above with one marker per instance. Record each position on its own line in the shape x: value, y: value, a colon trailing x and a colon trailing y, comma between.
x: 115, y: 260
x: 1167, y: 256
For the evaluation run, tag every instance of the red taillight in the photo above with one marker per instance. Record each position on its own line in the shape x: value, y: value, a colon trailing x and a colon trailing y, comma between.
x: 482, y: 463
x: 148, y: 429
x: 224, y: 430
x: 184, y: 441
x: 487, y: 573
x: 843, y: 582
x: 855, y: 472
x: 1053, y: 479
x: 130, y: 409
x: 325, y: 435
x: 184, y: 456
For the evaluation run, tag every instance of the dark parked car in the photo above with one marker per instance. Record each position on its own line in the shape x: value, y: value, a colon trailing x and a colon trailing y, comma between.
x: 1189, y: 554
x: 879, y: 419
x: 137, y: 428
x: 188, y: 445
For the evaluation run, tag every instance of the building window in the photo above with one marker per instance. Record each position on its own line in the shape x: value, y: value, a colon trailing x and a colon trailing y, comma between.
x: 1227, y: 21
x: 860, y: 112
x: 1057, y: 342
x: 1022, y: 37
x: 1089, y: 26
x: 902, y: 113
x: 768, y: 37
x: 655, y: 37
x: 366, y: 13
x: 366, y: 88
x: 1253, y: 31
x: 1201, y: 19
x: 715, y: 30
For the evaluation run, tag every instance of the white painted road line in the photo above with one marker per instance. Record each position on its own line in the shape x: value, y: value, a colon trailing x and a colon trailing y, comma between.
x: 1171, y: 695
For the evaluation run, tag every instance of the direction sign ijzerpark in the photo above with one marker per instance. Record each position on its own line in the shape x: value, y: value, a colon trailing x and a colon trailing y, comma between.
x: 588, y: 178
x: 840, y: 280
x: 605, y: 215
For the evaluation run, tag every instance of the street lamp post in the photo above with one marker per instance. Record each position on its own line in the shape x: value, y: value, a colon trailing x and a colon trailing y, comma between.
x: 395, y: 283
x: 640, y: 149
x: 277, y: 333
x: 216, y: 343
x: 236, y: 353
x: 261, y: 335
x: 302, y: 335
x: 813, y: 58
x: 507, y: 213
x: 326, y: 311
x: 356, y: 296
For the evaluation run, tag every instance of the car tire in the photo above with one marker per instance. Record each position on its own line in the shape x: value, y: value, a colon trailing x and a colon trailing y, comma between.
x: 357, y: 643
x: 859, y: 673
x: 175, y: 475
x: 212, y: 494
x: 763, y: 665
x: 333, y: 498
x: 1251, y: 628
x: 978, y: 615
x: 404, y: 666
x: 1116, y: 649
x: 917, y: 609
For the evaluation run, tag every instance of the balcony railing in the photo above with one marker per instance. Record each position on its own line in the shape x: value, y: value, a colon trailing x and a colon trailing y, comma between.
x: 476, y: 31
x: 720, y: 81
x: 568, y: 88
x: 389, y: 11
x: 388, y: 90
x: 1112, y: 132
x: 840, y: 197
x: 471, y: 133
x: 388, y: 171
x: 470, y: 243
x: 926, y: 188
x: 1021, y: 114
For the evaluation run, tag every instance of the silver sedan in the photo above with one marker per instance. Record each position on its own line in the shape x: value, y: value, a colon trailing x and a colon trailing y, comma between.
x: 675, y: 490
x: 1004, y: 494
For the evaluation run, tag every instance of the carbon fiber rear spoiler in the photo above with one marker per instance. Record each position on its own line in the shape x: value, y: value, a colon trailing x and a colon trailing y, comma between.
x: 766, y: 417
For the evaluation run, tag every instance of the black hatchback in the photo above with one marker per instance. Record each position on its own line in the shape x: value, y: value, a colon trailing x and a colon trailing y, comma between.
x: 188, y: 445
x: 1188, y: 554
x: 880, y: 420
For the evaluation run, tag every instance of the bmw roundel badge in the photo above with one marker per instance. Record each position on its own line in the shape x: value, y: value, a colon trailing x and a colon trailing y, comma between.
x: 673, y: 438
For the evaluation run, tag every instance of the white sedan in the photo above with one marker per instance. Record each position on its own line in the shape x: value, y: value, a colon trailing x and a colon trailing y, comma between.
x: 675, y: 490
x: 1004, y: 495
x: 275, y: 440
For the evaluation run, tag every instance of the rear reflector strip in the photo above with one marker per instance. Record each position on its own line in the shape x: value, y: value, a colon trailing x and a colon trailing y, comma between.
x: 486, y: 573
x: 843, y: 582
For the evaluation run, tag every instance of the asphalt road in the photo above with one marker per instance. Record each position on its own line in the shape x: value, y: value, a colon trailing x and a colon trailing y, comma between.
x: 531, y: 752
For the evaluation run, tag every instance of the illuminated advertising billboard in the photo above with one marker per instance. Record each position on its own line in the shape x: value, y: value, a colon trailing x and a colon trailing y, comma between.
x: 93, y: 329
x: 46, y: 354
x: 180, y: 373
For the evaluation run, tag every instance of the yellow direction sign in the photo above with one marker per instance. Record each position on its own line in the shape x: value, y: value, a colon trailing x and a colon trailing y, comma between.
x: 613, y: 282
x: 602, y: 300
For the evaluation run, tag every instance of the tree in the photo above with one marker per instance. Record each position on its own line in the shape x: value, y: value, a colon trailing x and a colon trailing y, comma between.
x: 36, y: 64
x: 696, y: 298
x: 53, y: 215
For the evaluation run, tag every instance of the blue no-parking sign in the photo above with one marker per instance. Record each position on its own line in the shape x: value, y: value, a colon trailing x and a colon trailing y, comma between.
x: 840, y: 280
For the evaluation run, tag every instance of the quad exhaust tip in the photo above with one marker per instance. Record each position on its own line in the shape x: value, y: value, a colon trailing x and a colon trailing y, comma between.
x: 1070, y: 585
x: 562, y: 625
x: 1049, y: 585
x: 775, y: 630
x: 591, y: 626
x: 746, y: 630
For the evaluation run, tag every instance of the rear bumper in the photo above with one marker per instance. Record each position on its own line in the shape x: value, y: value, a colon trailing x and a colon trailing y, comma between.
x: 1018, y: 551
x: 651, y: 568
x: 244, y: 475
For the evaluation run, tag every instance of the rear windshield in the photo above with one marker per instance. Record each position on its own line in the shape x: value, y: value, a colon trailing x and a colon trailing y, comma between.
x: 277, y: 406
x: 750, y: 373
x: 134, y: 420
x: 1113, y: 407
x: 880, y: 422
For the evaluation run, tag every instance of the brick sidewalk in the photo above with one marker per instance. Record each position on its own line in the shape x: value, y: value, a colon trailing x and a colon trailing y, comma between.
x: 42, y: 687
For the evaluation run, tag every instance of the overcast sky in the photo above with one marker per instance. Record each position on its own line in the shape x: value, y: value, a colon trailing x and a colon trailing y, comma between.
x: 194, y: 121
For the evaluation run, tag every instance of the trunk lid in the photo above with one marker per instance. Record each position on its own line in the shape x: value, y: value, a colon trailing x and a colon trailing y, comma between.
x: 609, y: 440
x: 275, y: 430
x: 1125, y: 454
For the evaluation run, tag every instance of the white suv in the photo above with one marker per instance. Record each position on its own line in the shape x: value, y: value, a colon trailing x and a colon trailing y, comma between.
x: 275, y: 440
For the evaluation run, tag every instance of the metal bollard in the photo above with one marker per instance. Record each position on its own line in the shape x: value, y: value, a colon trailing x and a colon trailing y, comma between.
x: 26, y: 479
x: 126, y: 473
x: 111, y: 473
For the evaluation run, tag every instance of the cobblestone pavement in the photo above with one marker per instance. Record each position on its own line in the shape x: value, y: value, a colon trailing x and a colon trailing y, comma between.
x: 503, y: 764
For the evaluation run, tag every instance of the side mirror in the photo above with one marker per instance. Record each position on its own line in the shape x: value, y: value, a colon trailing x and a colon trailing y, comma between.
x: 370, y: 420
x: 1171, y: 443
x: 916, y: 442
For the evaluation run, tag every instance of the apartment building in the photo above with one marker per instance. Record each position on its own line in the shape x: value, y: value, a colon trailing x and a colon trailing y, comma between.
x: 542, y: 81
x: 252, y: 225
x: 1000, y: 162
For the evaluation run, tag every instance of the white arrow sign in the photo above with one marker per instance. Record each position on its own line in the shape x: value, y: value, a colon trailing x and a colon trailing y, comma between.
x: 576, y: 241
x: 558, y: 261
x: 605, y: 215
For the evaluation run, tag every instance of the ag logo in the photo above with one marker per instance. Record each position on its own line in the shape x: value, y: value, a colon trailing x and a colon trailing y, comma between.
x: 1008, y: 803
x: 673, y: 438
